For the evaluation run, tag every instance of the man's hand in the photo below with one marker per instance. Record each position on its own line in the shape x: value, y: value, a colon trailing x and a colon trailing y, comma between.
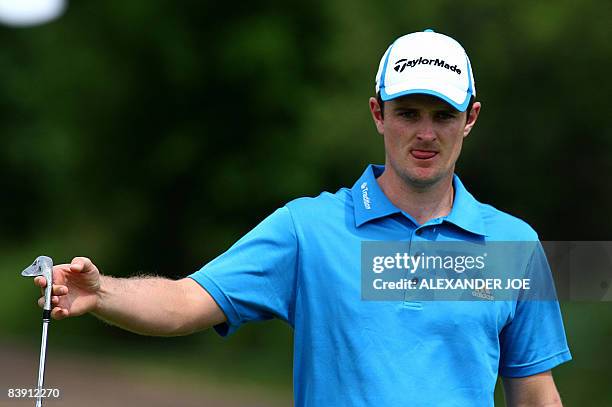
x: 75, y: 289
x: 532, y: 391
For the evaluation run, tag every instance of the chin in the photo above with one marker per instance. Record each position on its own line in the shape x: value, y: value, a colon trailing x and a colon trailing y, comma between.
x: 423, y: 178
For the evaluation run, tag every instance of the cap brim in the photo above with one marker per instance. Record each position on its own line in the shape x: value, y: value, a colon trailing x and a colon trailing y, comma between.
x: 457, y: 98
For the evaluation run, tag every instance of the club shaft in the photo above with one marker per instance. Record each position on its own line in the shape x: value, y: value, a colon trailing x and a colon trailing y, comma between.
x: 48, y: 290
x: 41, y: 364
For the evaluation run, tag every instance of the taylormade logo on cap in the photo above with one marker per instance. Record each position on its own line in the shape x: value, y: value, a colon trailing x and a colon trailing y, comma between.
x: 401, y: 64
x: 428, y: 63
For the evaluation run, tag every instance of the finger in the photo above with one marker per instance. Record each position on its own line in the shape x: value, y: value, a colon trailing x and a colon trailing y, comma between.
x: 59, y: 289
x: 81, y: 265
x: 54, y: 301
x: 58, y: 268
x: 59, y: 313
x: 40, y: 281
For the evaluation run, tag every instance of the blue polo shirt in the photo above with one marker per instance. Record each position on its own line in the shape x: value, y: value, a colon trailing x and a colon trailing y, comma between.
x: 302, y: 265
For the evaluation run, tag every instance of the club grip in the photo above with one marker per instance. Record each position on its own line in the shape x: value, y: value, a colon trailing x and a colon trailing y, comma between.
x: 46, y: 315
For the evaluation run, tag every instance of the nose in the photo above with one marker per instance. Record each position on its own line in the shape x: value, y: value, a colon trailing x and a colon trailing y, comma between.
x: 426, y: 130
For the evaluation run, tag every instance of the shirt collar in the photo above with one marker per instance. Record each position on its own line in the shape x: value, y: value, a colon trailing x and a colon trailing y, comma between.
x: 465, y: 212
x: 370, y: 202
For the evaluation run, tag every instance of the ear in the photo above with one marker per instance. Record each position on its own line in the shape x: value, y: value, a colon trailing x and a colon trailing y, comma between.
x: 471, y: 120
x: 377, y: 115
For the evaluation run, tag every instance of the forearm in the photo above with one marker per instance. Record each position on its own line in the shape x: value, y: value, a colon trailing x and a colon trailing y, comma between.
x: 552, y: 403
x: 532, y: 391
x: 145, y: 305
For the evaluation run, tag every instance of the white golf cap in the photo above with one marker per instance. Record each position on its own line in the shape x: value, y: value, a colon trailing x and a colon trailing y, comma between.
x: 430, y: 63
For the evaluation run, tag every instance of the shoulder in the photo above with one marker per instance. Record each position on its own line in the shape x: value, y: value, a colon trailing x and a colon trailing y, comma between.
x: 504, y: 226
x: 326, y: 208
x: 326, y: 203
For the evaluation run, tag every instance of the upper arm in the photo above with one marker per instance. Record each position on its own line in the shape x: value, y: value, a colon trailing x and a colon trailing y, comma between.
x: 535, y: 390
x: 533, y: 340
x: 531, y: 344
x: 256, y: 278
x: 200, y: 309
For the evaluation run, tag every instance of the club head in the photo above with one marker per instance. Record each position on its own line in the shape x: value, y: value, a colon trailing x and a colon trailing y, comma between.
x: 42, y: 266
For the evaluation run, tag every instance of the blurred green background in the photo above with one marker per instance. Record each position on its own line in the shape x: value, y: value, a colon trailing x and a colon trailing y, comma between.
x: 150, y: 136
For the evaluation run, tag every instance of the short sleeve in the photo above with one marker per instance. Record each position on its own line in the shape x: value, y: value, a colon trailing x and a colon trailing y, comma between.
x: 534, y: 340
x: 255, y: 279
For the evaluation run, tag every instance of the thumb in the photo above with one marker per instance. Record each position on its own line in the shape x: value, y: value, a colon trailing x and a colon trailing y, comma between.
x: 81, y: 265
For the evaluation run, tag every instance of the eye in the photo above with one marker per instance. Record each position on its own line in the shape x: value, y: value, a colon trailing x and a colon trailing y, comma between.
x: 409, y: 114
x: 444, y: 116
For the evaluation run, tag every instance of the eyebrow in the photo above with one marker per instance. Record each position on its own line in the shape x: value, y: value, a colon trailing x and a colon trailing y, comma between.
x: 441, y: 108
x: 440, y: 105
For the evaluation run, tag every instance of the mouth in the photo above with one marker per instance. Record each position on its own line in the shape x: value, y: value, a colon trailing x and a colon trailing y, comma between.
x: 423, y: 154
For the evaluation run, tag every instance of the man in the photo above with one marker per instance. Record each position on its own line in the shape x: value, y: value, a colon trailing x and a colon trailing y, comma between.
x: 302, y: 265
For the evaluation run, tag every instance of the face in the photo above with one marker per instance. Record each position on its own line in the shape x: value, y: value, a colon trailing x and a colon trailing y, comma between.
x: 423, y: 136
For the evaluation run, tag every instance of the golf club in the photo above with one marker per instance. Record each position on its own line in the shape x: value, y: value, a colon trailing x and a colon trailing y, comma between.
x: 42, y: 266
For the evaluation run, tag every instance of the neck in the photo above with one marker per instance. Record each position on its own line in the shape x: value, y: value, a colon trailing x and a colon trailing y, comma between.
x: 423, y: 203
